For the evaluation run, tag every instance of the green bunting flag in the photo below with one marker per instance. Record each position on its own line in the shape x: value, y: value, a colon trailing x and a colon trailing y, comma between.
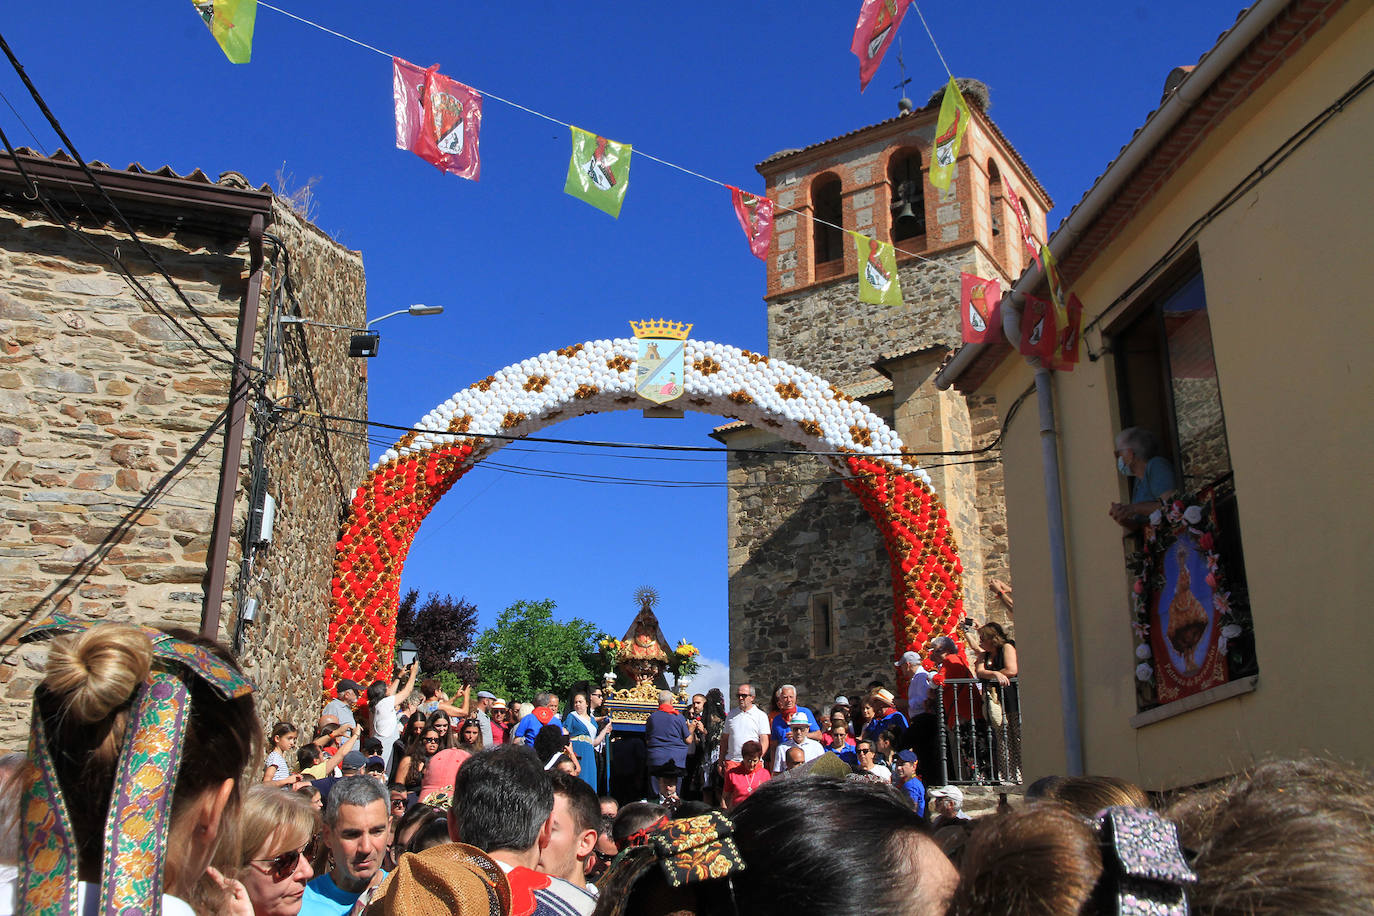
x: 599, y: 171
x: 231, y: 22
x: 878, y: 282
x: 949, y: 136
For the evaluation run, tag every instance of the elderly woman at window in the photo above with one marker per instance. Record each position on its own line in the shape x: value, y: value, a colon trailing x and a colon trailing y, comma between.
x: 1137, y: 457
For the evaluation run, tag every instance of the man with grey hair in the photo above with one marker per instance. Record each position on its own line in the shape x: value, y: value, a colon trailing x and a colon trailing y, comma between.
x: 1137, y: 457
x: 787, y: 708
x: 545, y: 712
x: 667, y: 738
x: 357, y: 830
x: 923, y: 732
x: 746, y: 722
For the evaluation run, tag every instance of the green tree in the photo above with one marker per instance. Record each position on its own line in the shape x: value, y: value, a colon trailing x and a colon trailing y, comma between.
x: 528, y: 651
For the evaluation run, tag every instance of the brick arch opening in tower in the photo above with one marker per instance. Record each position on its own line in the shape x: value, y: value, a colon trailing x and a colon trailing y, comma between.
x: 599, y: 376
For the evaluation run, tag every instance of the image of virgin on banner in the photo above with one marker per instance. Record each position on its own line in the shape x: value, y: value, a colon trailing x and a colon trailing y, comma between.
x: 1184, y: 631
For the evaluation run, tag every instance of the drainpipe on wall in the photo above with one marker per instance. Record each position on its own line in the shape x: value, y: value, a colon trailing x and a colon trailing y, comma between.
x: 1059, y: 574
x: 233, y: 437
x: 1059, y: 564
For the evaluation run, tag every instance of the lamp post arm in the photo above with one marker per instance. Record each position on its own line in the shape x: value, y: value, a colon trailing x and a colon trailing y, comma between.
x: 387, y: 315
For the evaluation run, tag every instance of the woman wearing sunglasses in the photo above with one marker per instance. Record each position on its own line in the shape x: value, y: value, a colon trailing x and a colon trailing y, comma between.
x: 279, y: 837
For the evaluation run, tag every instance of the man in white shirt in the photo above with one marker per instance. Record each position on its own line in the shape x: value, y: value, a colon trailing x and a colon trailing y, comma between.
x: 746, y: 722
x: 922, y: 735
x: 798, y: 728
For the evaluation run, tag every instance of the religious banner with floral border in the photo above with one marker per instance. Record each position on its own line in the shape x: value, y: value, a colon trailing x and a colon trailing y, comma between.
x: 1191, y: 632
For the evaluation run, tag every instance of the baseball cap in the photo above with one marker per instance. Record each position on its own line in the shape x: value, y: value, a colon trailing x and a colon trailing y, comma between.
x: 354, y: 760
x: 953, y: 793
x: 841, y: 701
x: 348, y: 684
x: 909, y: 658
x: 906, y: 756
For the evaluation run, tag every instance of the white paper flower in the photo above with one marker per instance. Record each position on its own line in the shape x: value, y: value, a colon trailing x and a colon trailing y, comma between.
x: 1156, y: 517
x: 1142, y: 651
x: 1230, y: 631
x: 1143, y: 672
x: 1192, y: 515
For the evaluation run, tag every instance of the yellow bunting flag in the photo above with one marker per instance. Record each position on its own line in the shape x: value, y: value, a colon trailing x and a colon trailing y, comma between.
x: 949, y: 136
x: 231, y: 22
x: 878, y: 282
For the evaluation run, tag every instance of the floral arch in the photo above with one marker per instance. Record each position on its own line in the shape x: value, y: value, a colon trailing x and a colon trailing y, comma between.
x: 598, y: 376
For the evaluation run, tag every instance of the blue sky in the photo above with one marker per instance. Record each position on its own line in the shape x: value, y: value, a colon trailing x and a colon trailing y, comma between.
x: 522, y: 268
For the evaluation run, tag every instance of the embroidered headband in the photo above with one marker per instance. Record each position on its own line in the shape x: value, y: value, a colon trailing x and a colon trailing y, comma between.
x: 135, y: 840
x: 688, y: 851
x: 1144, y: 869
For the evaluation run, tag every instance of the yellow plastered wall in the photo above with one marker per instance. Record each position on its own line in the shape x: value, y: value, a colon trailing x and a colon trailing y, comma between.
x: 1287, y: 271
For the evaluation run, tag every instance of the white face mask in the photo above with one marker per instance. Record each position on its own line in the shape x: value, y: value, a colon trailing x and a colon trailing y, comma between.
x: 1121, y: 466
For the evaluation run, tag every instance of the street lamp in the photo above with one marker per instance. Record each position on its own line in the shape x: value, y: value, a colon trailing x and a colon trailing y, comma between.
x: 406, y: 653
x: 416, y: 309
x: 364, y: 341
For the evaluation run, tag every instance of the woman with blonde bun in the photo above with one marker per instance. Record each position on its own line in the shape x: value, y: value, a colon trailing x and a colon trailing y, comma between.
x: 139, y: 739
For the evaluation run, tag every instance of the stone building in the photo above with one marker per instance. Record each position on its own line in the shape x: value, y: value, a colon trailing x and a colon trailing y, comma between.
x: 115, y: 399
x: 810, y: 593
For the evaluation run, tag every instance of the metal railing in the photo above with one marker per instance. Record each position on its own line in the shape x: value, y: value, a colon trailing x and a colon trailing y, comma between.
x: 979, y: 734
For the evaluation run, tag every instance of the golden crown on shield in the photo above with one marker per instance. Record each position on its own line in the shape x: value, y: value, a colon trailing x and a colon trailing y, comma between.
x: 660, y: 328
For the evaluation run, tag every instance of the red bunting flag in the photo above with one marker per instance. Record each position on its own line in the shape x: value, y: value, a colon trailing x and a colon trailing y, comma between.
x: 756, y: 218
x: 877, y: 26
x: 437, y: 118
x: 1023, y: 221
x: 1066, y: 350
x: 980, y: 308
x: 1038, y: 335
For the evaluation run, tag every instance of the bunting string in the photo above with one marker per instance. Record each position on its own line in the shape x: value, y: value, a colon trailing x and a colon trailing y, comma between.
x: 637, y: 151
x: 933, y: 43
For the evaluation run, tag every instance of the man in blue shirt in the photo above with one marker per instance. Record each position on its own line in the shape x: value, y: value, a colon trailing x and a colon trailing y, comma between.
x: 910, y: 782
x: 787, y: 708
x: 357, y: 823
x: 545, y: 713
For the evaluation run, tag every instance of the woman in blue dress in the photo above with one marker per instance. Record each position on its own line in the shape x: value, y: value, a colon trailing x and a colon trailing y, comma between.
x: 586, y: 739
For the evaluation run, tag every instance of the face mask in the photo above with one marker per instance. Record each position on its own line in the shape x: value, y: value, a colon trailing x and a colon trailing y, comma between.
x: 1121, y: 466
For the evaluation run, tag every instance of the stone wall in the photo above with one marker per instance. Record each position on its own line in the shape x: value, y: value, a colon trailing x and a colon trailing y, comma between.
x: 311, y: 473
x: 828, y: 331
x: 796, y: 533
x: 101, y: 397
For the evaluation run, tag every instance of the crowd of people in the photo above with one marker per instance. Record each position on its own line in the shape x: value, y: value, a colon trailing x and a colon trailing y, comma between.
x: 406, y: 801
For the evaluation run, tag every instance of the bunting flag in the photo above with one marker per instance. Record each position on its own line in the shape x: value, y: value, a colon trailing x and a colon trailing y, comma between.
x: 1056, y: 285
x: 231, y: 22
x: 878, y: 281
x: 1023, y: 221
x: 599, y: 171
x: 755, y: 216
x: 1066, y: 349
x: 980, y: 308
x: 949, y: 136
x: 437, y: 118
x: 1037, y: 329
x: 408, y: 97
x: 877, y: 26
